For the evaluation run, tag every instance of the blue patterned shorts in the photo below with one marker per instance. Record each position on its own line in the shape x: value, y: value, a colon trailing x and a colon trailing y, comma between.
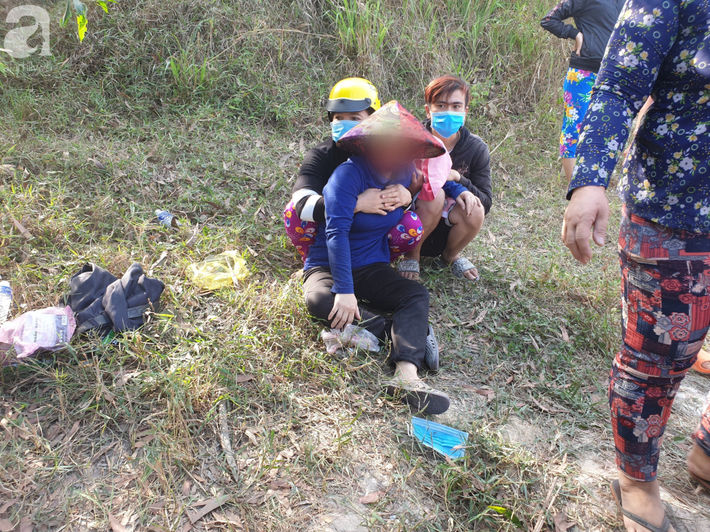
x: 577, y: 88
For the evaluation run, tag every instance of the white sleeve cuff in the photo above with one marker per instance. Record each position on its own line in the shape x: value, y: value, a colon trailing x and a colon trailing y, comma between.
x: 309, y: 207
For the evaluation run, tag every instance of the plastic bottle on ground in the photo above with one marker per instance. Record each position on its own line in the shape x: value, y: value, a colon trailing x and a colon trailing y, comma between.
x: 5, y: 300
x: 167, y: 219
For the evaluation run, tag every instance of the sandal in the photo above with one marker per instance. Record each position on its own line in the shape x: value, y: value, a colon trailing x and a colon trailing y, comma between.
x: 418, y: 395
x: 408, y: 266
x: 461, y: 266
x: 702, y: 365
x: 616, y: 491
x: 431, y: 353
x: 704, y: 483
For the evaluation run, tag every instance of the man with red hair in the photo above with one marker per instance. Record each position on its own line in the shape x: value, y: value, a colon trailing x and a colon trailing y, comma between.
x: 447, y: 100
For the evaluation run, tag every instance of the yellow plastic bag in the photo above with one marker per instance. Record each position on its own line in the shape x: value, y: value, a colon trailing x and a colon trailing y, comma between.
x: 217, y: 271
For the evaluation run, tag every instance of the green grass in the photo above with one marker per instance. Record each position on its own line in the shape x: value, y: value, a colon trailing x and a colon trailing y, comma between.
x: 204, y: 107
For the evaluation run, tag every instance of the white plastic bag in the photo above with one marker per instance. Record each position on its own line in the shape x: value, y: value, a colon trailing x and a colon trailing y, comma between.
x: 352, y: 337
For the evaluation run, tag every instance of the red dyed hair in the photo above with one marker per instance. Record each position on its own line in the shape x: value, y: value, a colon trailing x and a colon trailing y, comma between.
x: 445, y: 85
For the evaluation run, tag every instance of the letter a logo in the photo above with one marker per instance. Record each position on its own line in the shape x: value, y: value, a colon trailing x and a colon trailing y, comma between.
x: 16, y: 39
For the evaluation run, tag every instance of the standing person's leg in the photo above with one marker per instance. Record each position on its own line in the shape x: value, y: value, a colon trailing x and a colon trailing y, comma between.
x: 665, y: 318
x: 698, y: 460
x: 429, y: 212
x: 577, y: 90
x: 568, y: 167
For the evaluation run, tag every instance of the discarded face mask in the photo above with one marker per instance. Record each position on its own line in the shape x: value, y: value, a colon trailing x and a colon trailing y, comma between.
x: 444, y: 440
x: 350, y: 338
x: 48, y: 329
x: 218, y: 271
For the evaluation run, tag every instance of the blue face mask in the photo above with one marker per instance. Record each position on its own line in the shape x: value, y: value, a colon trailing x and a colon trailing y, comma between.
x: 341, y: 127
x: 445, y: 440
x: 447, y: 123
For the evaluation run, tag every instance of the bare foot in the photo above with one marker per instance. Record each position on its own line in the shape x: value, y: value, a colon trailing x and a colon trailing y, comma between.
x: 702, y: 365
x: 644, y: 500
x: 698, y: 463
x: 471, y: 275
x: 414, y: 276
x: 406, y: 371
x: 410, y: 263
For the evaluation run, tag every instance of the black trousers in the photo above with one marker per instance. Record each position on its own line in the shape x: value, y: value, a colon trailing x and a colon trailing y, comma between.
x: 379, y: 287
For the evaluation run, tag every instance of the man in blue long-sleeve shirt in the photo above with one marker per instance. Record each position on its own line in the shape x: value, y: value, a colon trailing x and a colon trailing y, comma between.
x: 659, y: 48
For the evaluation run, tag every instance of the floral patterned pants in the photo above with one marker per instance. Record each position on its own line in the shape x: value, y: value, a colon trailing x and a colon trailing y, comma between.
x: 665, y: 317
x: 402, y: 238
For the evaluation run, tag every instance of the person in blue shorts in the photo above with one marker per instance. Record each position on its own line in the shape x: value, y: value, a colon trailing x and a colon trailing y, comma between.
x: 594, y: 21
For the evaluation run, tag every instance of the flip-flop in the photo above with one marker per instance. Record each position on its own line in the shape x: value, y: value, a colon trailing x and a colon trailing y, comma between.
x: 704, y: 483
x: 702, y: 364
x: 408, y: 266
x: 616, y: 492
x: 461, y: 266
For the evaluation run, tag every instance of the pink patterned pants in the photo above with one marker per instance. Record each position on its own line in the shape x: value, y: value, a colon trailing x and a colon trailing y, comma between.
x: 402, y: 238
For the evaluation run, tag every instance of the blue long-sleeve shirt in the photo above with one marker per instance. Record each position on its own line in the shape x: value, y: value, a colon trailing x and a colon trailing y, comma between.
x: 352, y: 240
x: 453, y: 189
x: 663, y: 52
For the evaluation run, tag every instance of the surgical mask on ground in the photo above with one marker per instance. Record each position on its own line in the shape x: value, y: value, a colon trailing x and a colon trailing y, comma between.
x: 445, y: 440
x: 341, y: 127
x: 447, y: 123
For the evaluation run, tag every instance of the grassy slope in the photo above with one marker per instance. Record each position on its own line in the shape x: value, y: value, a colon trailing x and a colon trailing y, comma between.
x: 205, y: 108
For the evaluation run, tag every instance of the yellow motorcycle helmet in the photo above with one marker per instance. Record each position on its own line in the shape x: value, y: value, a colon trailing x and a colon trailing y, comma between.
x: 351, y: 95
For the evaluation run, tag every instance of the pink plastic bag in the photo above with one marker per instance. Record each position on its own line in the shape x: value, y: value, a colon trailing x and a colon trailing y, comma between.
x: 48, y: 329
x: 436, y: 172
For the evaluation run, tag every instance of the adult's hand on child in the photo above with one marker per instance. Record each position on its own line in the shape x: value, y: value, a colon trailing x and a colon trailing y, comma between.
x: 588, y: 208
x: 578, y: 42
x: 396, y: 196
x: 371, y: 202
x: 468, y: 201
x: 417, y: 182
x: 345, y: 311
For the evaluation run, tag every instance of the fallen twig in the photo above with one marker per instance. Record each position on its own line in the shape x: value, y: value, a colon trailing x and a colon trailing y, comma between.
x: 549, y: 501
x: 163, y: 256
x: 507, y: 136
x: 193, y: 238
x: 21, y: 228
x: 212, y: 504
x: 225, y: 441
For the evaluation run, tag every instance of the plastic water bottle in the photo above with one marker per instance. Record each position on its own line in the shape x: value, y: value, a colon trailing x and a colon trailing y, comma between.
x: 166, y: 219
x: 5, y: 300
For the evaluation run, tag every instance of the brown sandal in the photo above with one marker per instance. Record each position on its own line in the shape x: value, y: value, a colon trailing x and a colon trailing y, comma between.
x: 616, y: 491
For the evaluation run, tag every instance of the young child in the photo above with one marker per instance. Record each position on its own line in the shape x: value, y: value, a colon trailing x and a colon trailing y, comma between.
x: 348, y: 261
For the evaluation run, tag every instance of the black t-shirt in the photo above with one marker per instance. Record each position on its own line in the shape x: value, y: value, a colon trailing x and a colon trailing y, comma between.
x: 471, y: 159
x: 317, y: 167
x: 594, y: 18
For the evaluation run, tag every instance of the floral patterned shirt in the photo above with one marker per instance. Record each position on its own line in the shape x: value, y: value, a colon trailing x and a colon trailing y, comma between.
x: 659, y: 48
